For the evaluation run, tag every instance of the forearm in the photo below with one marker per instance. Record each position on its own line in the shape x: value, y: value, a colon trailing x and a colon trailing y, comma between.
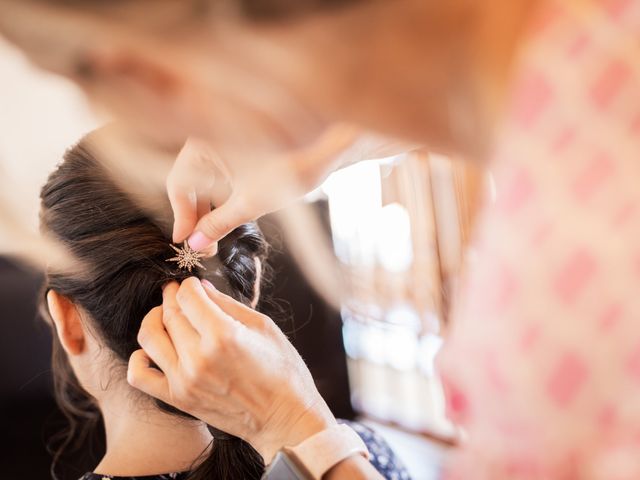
x: 340, y: 146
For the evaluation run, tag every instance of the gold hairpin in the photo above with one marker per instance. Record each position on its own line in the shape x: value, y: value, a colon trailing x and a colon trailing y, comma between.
x: 187, y: 258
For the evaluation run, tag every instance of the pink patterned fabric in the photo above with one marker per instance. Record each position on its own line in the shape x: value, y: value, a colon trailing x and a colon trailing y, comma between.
x: 542, y: 366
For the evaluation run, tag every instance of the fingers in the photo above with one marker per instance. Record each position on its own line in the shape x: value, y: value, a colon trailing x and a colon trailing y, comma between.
x: 187, y: 195
x: 182, y: 196
x: 204, y: 208
x: 185, y: 210
x: 203, y: 202
x: 183, y: 336
x: 218, y: 223
x: 155, y: 341
x: 236, y: 310
x: 141, y: 374
x: 205, y: 316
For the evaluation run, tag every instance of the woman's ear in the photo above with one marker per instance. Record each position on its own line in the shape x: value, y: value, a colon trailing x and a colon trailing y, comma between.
x: 68, y: 323
x: 256, y: 287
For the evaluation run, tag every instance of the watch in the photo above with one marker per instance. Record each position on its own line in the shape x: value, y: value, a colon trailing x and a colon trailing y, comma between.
x: 316, y: 455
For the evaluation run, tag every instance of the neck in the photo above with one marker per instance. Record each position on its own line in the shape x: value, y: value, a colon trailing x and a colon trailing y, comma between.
x: 143, y: 440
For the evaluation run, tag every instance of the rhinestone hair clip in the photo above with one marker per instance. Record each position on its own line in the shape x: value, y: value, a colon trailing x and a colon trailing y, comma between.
x: 187, y: 258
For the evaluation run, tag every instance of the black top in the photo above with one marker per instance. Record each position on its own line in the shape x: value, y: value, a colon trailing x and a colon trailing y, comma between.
x: 381, y: 457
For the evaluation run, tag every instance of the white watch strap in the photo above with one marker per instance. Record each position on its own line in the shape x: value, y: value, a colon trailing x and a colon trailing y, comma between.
x: 327, y: 448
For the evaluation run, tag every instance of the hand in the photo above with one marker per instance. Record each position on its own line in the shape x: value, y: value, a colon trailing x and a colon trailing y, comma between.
x: 244, y: 191
x: 197, y: 180
x: 229, y: 366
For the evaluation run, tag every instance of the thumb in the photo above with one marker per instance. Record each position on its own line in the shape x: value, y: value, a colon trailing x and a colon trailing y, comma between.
x: 218, y: 223
x: 141, y: 374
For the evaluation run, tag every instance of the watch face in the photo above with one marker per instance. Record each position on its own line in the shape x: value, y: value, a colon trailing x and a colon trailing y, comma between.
x: 283, y: 468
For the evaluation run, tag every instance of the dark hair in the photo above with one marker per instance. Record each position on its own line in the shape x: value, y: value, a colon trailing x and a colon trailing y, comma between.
x: 124, y: 252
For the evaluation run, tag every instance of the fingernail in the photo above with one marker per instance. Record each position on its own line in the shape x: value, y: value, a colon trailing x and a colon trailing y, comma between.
x: 208, y: 284
x: 199, y: 241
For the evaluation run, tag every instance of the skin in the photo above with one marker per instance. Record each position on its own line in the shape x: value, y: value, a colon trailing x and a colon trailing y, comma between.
x: 432, y: 73
x: 428, y: 73
x: 141, y: 439
x: 198, y: 325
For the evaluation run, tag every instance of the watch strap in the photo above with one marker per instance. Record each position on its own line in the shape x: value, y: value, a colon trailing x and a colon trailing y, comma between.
x: 319, y: 453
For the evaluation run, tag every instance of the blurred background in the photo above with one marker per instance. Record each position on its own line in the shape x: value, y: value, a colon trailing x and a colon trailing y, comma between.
x: 403, y: 226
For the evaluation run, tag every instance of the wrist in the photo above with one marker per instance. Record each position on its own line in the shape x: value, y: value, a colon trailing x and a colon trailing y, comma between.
x: 315, y: 457
x: 297, y: 428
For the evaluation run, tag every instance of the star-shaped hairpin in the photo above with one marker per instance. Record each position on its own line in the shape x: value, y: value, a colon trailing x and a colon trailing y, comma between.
x: 187, y: 258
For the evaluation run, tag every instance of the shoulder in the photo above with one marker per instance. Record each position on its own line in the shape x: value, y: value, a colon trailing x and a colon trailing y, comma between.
x: 382, y: 457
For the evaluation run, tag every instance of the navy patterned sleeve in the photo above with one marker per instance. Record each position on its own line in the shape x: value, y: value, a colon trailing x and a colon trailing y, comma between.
x: 381, y: 455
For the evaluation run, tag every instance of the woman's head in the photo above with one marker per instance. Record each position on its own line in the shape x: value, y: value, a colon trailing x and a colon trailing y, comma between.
x: 284, y: 69
x: 96, y: 311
